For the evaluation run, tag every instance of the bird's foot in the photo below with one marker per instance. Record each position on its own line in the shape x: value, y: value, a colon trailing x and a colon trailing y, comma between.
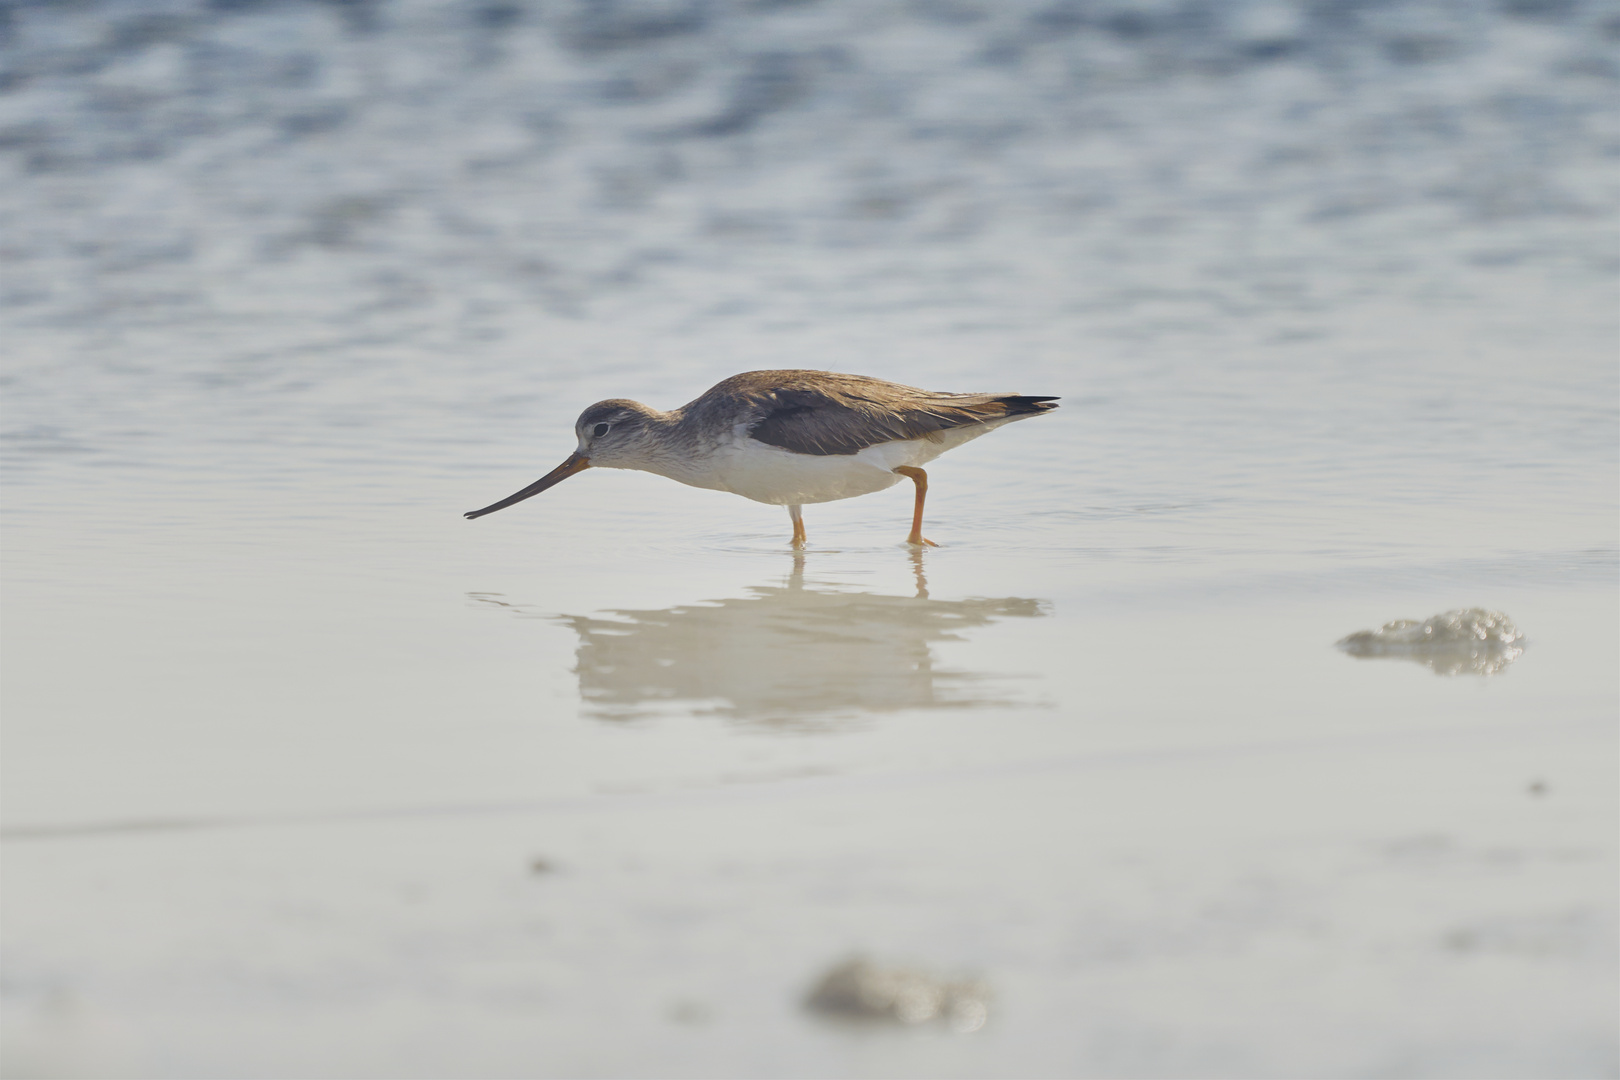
x: 916, y: 540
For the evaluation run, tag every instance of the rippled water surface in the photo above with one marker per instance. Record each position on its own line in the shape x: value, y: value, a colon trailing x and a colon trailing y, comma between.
x: 306, y: 775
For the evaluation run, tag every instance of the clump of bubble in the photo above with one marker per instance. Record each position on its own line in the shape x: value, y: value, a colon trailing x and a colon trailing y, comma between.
x: 1468, y: 641
x: 859, y: 989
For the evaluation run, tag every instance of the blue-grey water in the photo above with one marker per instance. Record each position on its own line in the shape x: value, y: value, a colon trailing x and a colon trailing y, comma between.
x: 306, y: 775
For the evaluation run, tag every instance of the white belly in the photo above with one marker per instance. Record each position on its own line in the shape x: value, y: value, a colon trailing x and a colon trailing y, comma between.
x: 769, y: 474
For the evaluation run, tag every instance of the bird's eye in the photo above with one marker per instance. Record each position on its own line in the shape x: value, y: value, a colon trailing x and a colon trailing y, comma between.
x: 599, y: 430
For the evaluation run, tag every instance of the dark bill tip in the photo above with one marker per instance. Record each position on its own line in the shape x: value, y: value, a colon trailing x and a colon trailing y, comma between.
x: 576, y: 462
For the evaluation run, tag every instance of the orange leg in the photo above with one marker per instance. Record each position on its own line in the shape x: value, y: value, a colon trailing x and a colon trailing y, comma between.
x: 797, y: 514
x: 919, y: 478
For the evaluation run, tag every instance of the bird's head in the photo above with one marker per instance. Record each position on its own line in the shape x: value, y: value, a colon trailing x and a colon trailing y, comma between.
x: 613, y: 434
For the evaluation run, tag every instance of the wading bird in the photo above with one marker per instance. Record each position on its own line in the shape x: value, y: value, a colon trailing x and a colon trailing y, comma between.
x: 788, y: 438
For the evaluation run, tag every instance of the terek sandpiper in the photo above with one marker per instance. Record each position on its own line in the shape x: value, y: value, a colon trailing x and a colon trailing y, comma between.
x: 788, y: 438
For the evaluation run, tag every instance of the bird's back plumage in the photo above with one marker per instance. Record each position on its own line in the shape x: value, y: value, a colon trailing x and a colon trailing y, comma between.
x: 827, y: 413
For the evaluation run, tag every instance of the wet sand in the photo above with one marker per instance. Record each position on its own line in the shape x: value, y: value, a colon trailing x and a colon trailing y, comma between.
x: 289, y: 820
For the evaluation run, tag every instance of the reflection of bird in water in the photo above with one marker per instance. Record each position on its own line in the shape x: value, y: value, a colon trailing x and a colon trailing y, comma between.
x: 789, y: 654
x: 788, y: 438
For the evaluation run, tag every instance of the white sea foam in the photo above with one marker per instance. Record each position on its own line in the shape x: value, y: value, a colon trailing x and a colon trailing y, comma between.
x: 1470, y: 641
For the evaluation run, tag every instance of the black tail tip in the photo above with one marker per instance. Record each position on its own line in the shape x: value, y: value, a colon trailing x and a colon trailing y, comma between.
x: 1023, y: 403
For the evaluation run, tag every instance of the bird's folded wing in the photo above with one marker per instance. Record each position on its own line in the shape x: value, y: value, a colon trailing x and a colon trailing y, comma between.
x: 808, y: 421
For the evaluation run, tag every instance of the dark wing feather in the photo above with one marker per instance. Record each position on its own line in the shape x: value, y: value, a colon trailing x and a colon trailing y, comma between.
x: 825, y: 413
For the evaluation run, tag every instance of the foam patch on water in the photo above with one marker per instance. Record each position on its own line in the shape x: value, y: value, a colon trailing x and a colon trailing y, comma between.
x: 1471, y: 641
x: 859, y: 989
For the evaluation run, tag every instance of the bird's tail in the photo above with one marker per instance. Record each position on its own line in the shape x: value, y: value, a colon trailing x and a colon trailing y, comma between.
x: 1023, y: 405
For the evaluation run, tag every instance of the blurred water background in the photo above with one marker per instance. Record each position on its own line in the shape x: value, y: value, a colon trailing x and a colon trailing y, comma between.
x: 305, y: 775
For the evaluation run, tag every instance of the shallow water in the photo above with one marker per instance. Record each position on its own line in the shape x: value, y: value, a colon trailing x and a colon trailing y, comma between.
x: 1328, y: 297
